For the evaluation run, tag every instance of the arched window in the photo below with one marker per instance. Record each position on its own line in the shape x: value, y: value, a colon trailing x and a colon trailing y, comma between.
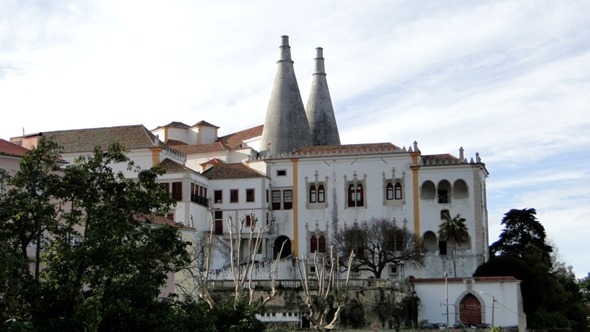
x: 351, y: 195
x: 322, y: 244
x: 356, y: 196
x: 389, y: 191
x: 313, y: 244
x: 312, y: 194
x: 360, y: 199
x: 321, y: 194
x: 398, y: 191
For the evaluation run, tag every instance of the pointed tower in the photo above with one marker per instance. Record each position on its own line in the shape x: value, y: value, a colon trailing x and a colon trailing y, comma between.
x: 285, y: 127
x: 320, y: 113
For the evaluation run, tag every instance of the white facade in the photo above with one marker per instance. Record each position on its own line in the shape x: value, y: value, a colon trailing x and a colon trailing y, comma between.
x: 493, y: 301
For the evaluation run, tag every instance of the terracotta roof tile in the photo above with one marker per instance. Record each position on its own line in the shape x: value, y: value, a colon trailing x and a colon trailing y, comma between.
x: 201, y: 148
x: 235, y: 140
x: 204, y: 124
x: 347, y: 149
x: 85, y: 140
x: 11, y: 149
x: 159, y: 220
x: 173, y: 167
x: 459, y: 279
x: 173, y: 142
x: 214, y: 161
x: 231, y: 171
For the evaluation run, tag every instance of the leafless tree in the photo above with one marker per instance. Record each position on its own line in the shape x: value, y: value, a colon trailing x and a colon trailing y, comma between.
x: 378, y: 244
x: 242, y: 268
x: 323, y: 289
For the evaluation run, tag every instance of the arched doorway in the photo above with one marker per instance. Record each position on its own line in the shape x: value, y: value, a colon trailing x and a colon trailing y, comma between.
x: 278, y: 244
x: 470, y: 310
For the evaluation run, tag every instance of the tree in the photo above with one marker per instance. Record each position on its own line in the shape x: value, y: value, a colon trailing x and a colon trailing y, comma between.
x: 454, y: 230
x: 325, y: 295
x: 522, y: 231
x: 377, y: 245
x: 551, y: 297
x: 26, y: 213
x: 104, y: 259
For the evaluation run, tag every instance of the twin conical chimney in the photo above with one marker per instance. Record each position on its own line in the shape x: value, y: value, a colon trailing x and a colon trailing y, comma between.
x: 320, y: 113
x: 288, y: 126
x: 285, y: 128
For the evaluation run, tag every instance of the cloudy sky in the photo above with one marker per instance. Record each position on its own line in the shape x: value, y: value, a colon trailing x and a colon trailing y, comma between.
x: 508, y: 79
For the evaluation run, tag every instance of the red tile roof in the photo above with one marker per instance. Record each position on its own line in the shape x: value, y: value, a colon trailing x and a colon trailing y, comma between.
x: 214, y: 161
x: 85, y: 140
x: 347, y: 149
x: 204, y: 124
x: 235, y: 140
x: 477, y: 279
x: 173, y: 167
x: 201, y: 148
x: 159, y: 220
x: 231, y: 171
x: 11, y: 149
x: 173, y: 142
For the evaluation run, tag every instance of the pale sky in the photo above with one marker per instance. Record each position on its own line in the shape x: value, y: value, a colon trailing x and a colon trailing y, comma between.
x: 508, y: 79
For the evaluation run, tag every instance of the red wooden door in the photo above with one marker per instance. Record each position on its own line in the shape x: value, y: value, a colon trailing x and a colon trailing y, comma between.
x: 470, y: 310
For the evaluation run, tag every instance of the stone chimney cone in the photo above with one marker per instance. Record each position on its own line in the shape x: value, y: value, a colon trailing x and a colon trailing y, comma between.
x: 319, y: 111
x: 285, y: 128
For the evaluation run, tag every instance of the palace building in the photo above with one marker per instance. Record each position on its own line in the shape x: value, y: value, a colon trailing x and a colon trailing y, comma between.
x: 297, y: 179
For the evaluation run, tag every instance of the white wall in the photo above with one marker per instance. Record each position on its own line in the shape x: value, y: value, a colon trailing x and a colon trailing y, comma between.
x: 506, y: 291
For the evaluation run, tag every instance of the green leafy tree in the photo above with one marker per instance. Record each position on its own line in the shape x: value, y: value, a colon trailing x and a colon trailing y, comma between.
x: 27, y: 212
x: 522, y: 231
x: 377, y: 245
x: 551, y: 296
x: 453, y: 230
x: 104, y: 261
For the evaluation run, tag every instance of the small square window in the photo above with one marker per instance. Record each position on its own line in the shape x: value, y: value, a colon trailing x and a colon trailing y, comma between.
x: 217, y: 195
x: 393, y: 269
x: 233, y: 196
x: 249, y: 195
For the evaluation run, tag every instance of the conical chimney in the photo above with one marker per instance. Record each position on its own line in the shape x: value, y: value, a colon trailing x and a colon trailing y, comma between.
x: 320, y: 113
x: 285, y: 127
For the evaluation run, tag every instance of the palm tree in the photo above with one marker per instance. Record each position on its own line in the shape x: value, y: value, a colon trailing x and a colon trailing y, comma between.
x: 455, y: 230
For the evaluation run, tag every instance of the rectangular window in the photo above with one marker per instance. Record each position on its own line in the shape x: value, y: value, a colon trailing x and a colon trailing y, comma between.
x: 287, y: 199
x: 321, y: 194
x: 249, y: 195
x: 444, y: 214
x: 177, y: 191
x: 282, y: 172
x: 442, y: 247
x: 217, y: 194
x: 218, y: 229
x: 443, y: 196
x: 233, y: 195
x: 276, y: 199
x: 194, y: 192
x: 248, y: 221
x: 165, y: 186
